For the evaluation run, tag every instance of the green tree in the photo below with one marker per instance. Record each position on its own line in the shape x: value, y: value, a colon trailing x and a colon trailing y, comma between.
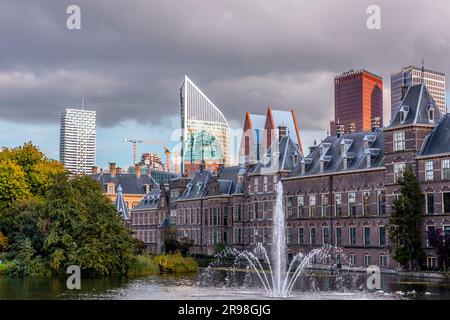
x: 404, y: 225
x: 82, y: 227
x: 12, y: 184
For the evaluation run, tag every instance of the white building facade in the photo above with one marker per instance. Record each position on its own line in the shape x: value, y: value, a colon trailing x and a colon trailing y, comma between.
x: 77, y: 149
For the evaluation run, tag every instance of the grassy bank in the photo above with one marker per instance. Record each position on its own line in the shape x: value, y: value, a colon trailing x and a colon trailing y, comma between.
x: 167, y: 263
x: 142, y: 265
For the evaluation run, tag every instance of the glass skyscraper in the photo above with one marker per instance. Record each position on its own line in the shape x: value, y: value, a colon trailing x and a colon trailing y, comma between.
x: 205, y: 131
x: 78, y: 140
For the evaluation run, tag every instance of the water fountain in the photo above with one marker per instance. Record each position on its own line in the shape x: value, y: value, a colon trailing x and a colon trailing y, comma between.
x: 278, y: 279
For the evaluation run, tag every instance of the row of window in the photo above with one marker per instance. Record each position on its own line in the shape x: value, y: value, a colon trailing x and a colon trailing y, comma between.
x: 264, y: 235
x: 430, y: 202
x: 147, y: 236
x: 313, y: 209
x: 266, y: 186
x: 145, y: 218
x: 445, y: 170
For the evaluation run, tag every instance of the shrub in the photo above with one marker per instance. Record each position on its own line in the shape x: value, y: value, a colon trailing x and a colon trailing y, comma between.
x: 143, y: 265
x: 176, y: 263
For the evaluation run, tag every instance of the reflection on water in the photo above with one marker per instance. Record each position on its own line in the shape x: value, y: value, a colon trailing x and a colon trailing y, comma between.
x: 220, y: 285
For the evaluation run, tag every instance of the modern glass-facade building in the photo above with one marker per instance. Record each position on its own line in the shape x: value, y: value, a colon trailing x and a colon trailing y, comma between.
x: 205, y: 131
x: 78, y: 140
x: 409, y: 76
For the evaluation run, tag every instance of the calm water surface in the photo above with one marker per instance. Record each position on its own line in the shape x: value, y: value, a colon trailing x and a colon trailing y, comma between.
x: 211, y: 286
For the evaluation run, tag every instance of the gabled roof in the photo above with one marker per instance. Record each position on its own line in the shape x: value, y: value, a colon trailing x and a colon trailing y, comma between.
x: 121, y: 205
x: 438, y: 141
x: 330, y: 153
x: 197, y: 187
x: 417, y: 101
x: 287, y: 119
x: 280, y: 156
x: 130, y: 183
x: 150, y: 200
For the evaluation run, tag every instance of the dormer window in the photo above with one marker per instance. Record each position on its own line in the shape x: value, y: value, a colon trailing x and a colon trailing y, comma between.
x: 199, y: 185
x: 403, y: 113
x: 430, y: 113
x: 189, y: 186
x: 295, y: 158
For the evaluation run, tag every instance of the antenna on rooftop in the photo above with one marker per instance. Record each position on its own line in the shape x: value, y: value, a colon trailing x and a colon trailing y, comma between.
x: 82, y: 102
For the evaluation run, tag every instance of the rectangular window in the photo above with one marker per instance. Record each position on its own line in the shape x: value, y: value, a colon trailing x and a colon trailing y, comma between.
x: 289, y: 203
x: 338, y: 236
x: 430, y: 203
x: 266, y: 210
x: 381, y: 202
x: 325, y: 205
x: 312, y: 206
x: 265, y: 183
x: 430, y: 233
x: 366, y: 260
x: 289, y: 235
x: 351, y: 204
x: 429, y: 173
x: 366, y: 203
x: 399, y: 168
x: 301, y: 206
x: 338, y: 204
x: 301, y: 238
x: 326, y: 235
x: 446, y: 169
x: 312, y: 236
x: 399, y: 140
x: 352, y: 236
x: 446, y: 198
x: 446, y: 231
x: 367, y: 236
x: 256, y: 211
x: 382, y: 232
x: 352, y: 259
x: 256, y: 185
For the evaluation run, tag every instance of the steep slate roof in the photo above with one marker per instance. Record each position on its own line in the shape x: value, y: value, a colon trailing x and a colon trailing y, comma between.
x: 120, y: 204
x: 356, y: 153
x: 206, y: 184
x: 438, y: 141
x: 284, y: 157
x: 287, y: 119
x: 417, y: 99
x: 130, y: 183
x: 150, y: 200
x: 197, y: 187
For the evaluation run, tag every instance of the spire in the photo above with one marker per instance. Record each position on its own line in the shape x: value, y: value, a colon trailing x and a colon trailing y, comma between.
x: 121, y: 205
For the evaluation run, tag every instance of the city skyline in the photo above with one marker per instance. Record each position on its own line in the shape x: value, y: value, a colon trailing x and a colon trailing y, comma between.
x: 129, y: 68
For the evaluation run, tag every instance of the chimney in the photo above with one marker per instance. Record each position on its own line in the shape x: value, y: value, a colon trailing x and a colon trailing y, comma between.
x: 302, y: 166
x: 119, y: 170
x: 137, y: 169
x: 94, y: 170
x: 314, y: 147
x: 282, y: 131
x: 351, y: 127
x: 340, y: 129
x: 404, y: 91
x: 376, y: 123
x: 112, y: 169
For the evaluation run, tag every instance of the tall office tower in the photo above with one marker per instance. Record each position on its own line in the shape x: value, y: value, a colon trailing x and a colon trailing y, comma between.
x: 205, y: 132
x: 409, y: 76
x: 78, y: 140
x: 358, y: 99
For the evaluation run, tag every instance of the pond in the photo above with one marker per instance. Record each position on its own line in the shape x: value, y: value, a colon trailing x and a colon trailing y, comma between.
x: 218, y: 284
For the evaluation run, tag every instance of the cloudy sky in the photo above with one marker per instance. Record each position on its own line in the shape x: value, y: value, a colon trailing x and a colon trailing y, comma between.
x: 130, y: 57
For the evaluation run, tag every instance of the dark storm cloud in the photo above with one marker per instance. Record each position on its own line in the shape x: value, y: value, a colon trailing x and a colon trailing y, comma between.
x: 130, y: 57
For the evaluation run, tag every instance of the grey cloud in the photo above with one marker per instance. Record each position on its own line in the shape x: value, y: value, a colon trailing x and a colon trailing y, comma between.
x: 130, y: 57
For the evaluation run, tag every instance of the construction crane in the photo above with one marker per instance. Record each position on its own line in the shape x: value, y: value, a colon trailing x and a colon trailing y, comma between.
x: 136, y: 141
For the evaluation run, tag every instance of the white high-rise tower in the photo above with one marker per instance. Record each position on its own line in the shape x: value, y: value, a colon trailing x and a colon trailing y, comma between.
x: 78, y: 140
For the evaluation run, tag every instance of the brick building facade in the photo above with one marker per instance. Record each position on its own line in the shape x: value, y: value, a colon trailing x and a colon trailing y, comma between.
x: 340, y: 194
